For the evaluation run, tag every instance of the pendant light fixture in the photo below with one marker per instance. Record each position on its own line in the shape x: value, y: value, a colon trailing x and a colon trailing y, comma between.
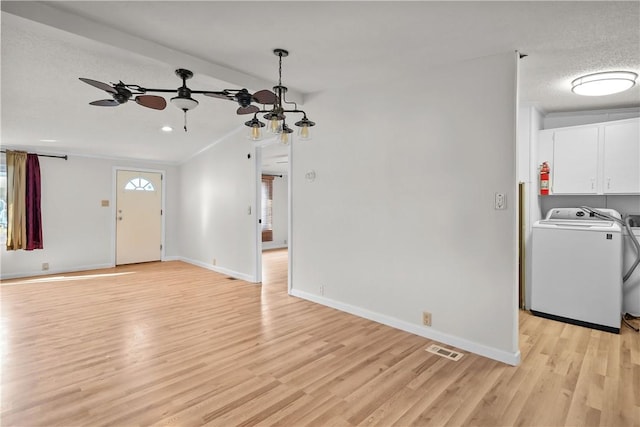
x: 606, y: 83
x: 276, y: 115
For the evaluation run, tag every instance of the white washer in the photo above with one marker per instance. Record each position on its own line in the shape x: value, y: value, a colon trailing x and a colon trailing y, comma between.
x: 577, y: 269
x: 631, y: 288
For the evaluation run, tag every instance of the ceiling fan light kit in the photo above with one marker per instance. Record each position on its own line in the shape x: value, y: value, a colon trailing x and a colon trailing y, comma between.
x: 121, y: 93
x: 605, y: 83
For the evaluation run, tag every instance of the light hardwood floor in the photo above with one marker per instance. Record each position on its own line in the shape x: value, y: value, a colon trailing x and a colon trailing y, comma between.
x: 173, y: 344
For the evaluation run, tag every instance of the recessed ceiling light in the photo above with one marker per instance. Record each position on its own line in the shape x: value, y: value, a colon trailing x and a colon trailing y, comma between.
x: 48, y: 140
x: 166, y: 129
x: 607, y: 83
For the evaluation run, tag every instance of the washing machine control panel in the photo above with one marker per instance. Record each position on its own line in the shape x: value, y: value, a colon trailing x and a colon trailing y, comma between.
x: 578, y: 213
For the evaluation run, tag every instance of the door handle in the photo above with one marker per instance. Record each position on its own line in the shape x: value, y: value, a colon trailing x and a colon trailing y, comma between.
x: 119, y: 218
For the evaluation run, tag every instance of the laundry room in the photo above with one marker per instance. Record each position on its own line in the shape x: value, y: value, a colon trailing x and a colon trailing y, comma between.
x: 579, y: 210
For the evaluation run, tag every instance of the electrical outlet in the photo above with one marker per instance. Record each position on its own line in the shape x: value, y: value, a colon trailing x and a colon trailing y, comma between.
x: 285, y: 241
x: 321, y: 289
x: 45, y: 266
x: 213, y: 262
x: 500, y: 201
x: 426, y: 318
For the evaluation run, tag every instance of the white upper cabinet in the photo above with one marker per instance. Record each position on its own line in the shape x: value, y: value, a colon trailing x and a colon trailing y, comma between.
x: 622, y: 158
x: 575, y: 161
x: 602, y: 158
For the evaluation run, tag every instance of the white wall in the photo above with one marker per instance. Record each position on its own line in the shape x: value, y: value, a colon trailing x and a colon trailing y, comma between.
x: 400, y: 218
x: 78, y: 232
x: 280, y: 213
x: 217, y: 189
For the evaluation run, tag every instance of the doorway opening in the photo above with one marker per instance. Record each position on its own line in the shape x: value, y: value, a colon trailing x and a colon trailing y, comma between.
x: 274, y: 206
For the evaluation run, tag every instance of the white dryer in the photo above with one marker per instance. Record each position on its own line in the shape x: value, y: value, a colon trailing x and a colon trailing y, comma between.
x: 577, y: 268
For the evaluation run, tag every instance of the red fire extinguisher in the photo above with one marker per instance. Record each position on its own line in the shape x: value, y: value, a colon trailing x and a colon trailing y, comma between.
x: 544, y: 179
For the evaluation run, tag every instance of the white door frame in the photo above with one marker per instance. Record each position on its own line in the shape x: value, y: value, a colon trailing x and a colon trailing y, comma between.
x: 258, y: 205
x: 114, y: 198
x: 290, y: 219
x: 257, y: 154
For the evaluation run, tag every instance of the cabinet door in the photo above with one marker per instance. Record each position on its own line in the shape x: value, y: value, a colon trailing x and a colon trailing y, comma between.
x: 575, y: 161
x: 622, y: 158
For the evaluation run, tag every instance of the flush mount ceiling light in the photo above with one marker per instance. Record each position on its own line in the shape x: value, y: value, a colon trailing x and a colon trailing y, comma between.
x: 121, y: 93
x: 606, y: 83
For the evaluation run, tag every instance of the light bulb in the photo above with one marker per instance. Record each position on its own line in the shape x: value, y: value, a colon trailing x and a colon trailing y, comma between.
x: 274, y: 125
x: 254, y: 133
x: 284, y: 138
x: 304, y: 133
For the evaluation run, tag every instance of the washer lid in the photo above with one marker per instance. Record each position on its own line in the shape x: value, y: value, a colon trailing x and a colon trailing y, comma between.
x: 579, y: 224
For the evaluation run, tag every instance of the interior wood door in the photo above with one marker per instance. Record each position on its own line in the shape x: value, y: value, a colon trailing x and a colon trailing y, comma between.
x: 138, y: 216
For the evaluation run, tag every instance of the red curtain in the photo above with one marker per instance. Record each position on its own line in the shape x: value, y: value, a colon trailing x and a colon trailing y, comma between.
x: 33, y: 191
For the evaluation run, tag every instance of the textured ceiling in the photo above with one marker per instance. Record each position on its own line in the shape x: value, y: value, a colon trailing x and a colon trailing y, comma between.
x: 46, y: 46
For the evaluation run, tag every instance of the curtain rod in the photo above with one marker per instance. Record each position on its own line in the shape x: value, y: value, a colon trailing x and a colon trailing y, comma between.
x: 45, y: 155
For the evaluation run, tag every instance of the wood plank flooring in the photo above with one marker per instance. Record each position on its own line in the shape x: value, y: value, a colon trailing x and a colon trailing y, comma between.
x: 171, y: 344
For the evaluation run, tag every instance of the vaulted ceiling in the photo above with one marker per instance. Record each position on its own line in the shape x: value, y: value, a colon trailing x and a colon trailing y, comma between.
x: 47, y: 46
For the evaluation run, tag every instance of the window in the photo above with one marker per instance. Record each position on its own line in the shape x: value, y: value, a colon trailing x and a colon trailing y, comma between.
x: 266, y: 216
x: 139, y: 184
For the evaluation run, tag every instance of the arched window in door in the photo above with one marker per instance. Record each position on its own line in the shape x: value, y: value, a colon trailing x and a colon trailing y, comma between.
x: 139, y: 184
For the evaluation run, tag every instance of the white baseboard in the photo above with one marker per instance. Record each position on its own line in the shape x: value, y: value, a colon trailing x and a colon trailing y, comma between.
x: 55, y: 271
x: 172, y: 258
x: 218, y: 269
x: 482, y: 350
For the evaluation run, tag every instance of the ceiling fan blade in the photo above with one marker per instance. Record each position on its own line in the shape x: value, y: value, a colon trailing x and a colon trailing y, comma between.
x: 99, y: 85
x: 221, y: 95
x: 247, y: 110
x: 105, y: 103
x: 152, y: 101
x: 264, y: 97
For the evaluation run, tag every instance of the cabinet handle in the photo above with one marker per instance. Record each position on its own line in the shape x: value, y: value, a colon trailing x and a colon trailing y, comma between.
x: 608, y: 183
x: 593, y: 184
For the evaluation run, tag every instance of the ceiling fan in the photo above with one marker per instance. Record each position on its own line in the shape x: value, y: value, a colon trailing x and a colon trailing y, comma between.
x: 122, y: 92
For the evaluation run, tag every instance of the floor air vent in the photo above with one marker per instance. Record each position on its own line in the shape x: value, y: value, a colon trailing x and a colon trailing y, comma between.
x: 441, y: 351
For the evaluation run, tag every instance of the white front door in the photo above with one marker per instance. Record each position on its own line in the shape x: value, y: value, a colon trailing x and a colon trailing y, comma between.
x: 138, y: 216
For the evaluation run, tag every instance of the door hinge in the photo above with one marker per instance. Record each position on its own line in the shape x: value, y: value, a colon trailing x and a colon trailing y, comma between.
x: 160, y: 211
x: 160, y: 247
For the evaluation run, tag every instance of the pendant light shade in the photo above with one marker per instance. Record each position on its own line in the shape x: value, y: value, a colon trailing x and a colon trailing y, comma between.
x: 284, y: 134
x: 304, y: 133
x: 184, y: 103
x: 255, y: 131
x: 606, y: 83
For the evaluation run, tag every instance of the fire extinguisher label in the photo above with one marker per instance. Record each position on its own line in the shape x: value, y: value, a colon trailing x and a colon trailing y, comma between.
x: 544, y: 185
